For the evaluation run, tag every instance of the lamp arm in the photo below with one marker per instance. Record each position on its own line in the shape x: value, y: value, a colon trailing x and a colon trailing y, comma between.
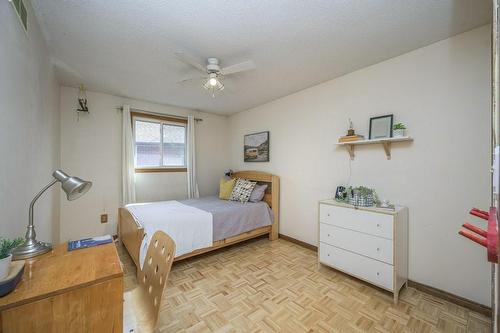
x: 30, y: 233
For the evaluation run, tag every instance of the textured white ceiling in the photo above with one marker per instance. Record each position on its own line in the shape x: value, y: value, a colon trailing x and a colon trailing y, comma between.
x: 126, y: 47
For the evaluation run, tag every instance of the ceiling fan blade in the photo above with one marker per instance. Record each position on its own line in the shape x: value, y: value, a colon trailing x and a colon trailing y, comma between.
x: 184, y: 81
x: 191, y: 79
x: 190, y: 60
x: 241, y: 67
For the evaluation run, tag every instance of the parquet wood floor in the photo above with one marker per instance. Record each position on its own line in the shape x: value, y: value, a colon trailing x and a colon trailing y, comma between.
x: 263, y: 286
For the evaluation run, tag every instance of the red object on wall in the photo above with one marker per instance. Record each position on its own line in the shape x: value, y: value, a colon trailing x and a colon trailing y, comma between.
x: 487, y: 238
x: 479, y: 213
x: 492, y: 236
x: 477, y: 230
x: 480, y: 240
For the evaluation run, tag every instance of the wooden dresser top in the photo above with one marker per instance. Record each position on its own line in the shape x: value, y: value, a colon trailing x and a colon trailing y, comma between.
x: 60, y: 271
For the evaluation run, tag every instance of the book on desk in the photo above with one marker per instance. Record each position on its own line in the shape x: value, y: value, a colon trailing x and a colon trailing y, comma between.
x: 89, y: 242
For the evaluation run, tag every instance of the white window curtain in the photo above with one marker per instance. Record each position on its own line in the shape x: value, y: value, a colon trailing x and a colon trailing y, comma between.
x: 128, y: 168
x: 192, y: 183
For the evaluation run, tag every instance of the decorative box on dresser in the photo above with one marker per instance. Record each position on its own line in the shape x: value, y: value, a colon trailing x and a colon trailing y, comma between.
x: 368, y: 243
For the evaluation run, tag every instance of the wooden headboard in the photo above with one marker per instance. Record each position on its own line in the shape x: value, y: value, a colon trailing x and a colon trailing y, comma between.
x: 272, y: 196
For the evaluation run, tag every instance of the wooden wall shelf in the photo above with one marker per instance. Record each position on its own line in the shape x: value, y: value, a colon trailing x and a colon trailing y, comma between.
x: 386, y: 143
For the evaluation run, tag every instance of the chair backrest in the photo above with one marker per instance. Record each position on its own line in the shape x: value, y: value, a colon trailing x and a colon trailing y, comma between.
x: 154, y: 274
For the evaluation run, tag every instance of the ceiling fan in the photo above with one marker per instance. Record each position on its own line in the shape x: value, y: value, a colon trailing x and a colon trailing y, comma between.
x: 212, y: 80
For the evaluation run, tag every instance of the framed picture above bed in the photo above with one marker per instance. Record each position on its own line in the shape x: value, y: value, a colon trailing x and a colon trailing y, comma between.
x: 256, y: 147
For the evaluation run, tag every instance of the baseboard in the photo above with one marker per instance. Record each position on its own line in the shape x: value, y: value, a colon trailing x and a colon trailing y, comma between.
x: 466, y: 303
x: 299, y: 242
x: 471, y: 305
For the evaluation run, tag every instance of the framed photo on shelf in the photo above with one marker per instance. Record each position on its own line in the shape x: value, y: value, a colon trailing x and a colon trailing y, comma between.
x: 381, y: 127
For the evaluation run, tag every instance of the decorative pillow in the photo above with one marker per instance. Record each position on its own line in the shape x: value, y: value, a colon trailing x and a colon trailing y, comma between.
x: 242, y: 190
x: 226, y: 188
x: 258, y: 193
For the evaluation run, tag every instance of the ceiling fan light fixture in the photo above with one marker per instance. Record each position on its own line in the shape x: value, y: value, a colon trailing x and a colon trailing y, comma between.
x: 207, y: 85
x: 213, y: 83
x: 212, y: 80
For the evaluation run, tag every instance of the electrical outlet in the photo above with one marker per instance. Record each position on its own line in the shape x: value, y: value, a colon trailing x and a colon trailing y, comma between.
x: 104, y: 218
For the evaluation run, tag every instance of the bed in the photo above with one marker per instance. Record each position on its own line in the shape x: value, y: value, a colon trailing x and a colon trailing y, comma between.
x: 133, y: 233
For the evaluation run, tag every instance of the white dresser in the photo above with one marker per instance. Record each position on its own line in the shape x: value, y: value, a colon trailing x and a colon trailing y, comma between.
x: 368, y: 243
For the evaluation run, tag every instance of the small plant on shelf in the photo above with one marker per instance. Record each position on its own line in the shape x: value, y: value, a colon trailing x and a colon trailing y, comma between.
x: 399, y: 130
x: 6, y: 246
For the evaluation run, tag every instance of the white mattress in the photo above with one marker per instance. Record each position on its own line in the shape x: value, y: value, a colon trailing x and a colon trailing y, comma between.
x: 190, y: 228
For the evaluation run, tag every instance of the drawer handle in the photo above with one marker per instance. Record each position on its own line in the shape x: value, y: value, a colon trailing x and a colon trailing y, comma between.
x: 328, y: 235
x: 378, y: 225
x: 328, y: 254
x: 378, y: 249
x: 328, y: 214
x: 378, y: 273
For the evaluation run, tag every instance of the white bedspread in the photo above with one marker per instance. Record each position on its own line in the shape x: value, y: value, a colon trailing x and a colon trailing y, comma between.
x: 190, y: 227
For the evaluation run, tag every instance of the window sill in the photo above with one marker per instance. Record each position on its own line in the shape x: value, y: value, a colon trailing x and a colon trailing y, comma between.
x: 147, y: 170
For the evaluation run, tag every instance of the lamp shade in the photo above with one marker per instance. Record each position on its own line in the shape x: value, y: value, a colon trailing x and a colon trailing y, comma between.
x: 74, y: 187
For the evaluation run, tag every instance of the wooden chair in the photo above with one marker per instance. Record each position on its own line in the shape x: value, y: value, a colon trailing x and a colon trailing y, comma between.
x: 142, y: 304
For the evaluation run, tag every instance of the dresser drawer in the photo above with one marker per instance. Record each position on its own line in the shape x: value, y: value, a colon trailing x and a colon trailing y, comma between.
x: 370, y: 270
x: 359, y: 220
x: 367, y: 245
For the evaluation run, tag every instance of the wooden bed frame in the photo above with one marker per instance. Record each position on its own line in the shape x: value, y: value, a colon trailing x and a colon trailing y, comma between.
x: 131, y: 231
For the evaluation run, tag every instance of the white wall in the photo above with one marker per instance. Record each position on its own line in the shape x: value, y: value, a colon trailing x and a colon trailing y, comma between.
x: 158, y: 186
x: 442, y: 92
x: 91, y: 149
x: 29, y: 130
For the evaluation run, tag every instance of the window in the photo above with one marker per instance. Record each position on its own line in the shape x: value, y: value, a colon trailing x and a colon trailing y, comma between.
x: 160, y: 143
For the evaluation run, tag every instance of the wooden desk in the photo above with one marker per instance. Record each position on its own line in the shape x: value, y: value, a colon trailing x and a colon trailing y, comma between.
x: 61, y: 291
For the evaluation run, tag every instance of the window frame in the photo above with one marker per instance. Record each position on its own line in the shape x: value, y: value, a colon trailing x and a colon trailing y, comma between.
x: 162, y: 120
